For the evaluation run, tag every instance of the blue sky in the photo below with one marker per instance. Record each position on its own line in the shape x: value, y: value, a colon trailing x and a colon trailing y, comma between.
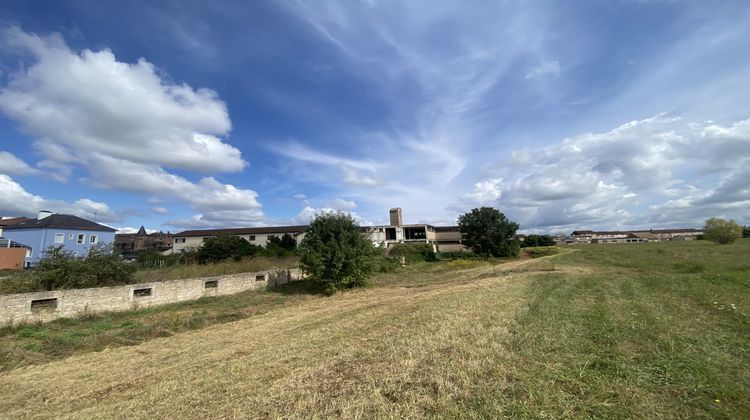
x: 564, y: 115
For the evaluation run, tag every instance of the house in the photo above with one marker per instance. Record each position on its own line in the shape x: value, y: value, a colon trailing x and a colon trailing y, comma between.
x: 193, y: 239
x: 128, y: 244
x: 12, y: 254
x: 54, y: 230
x: 10, y: 221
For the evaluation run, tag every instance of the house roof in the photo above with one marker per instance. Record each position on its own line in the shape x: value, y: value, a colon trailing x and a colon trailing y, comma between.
x: 244, y: 231
x: 60, y: 221
x: 13, y: 221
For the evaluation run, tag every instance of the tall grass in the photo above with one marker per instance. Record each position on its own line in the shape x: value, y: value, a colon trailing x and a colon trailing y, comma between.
x: 184, y: 271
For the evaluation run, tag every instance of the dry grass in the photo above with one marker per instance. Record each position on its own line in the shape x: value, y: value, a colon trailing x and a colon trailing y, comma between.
x: 186, y: 271
x: 607, y: 331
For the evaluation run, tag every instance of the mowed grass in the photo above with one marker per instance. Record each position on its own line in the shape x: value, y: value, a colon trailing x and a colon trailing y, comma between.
x: 607, y: 331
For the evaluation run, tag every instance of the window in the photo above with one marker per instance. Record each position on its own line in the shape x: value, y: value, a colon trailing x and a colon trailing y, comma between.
x: 59, y: 238
x: 211, y: 284
x: 252, y: 237
x: 142, y: 292
x: 93, y: 238
x: 260, y: 277
x: 179, y: 240
x: 70, y: 236
x: 81, y: 238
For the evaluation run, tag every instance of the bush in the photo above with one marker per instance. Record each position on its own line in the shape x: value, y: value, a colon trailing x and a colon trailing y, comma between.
x: 413, y: 253
x: 722, y: 231
x: 537, y: 240
x: 224, y: 247
x: 335, y: 254
x: 280, y: 247
x: 487, y: 231
x: 152, y: 258
x: 461, y: 255
x: 60, y: 269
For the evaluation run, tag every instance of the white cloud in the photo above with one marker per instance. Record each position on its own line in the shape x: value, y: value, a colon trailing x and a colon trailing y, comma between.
x: 10, y: 164
x: 15, y: 200
x: 160, y: 210
x: 544, y: 69
x: 633, y: 175
x: 123, y: 123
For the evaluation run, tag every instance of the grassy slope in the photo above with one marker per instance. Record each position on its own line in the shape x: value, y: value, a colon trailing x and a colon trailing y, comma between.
x: 616, y: 331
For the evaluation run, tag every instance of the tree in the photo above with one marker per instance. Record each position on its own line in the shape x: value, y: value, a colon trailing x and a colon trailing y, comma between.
x: 335, y: 253
x: 487, y: 231
x: 225, y: 246
x: 722, y: 231
x: 746, y: 232
x: 280, y: 247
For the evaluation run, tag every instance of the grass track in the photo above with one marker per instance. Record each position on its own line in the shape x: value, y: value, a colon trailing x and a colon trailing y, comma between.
x: 616, y: 331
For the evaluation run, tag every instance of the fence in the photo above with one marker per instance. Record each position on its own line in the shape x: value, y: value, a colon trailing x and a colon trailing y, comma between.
x: 46, y: 306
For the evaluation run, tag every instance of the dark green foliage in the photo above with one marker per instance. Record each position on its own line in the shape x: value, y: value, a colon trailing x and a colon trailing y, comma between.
x: 152, y: 258
x: 280, y: 247
x: 538, y: 240
x: 746, y: 232
x: 487, y: 231
x: 60, y: 269
x: 335, y: 253
x: 413, y: 253
x: 722, y: 231
x: 461, y: 255
x: 226, y: 246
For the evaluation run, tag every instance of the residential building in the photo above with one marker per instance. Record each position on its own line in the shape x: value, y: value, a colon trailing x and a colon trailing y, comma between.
x: 54, y: 230
x: 128, y: 244
x: 634, y: 236
x: 193, y: 239
x: 10, y: 221
x: 443, y: 238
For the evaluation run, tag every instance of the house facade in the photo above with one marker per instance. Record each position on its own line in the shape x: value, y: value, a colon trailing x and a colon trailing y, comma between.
x: 442, y: 238
x: 127, y: 245
x: 634, y: 236
x: 73, y: 233
x: 194, y: 239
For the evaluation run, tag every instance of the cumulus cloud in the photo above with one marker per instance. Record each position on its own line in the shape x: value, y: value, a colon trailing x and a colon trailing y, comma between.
x: 632, y: 175
x: 15, y: 200
x: 124, y: 123
x: 160, y: 210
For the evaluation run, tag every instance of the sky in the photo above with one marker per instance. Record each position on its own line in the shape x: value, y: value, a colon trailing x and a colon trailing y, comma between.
x: 563, y: 115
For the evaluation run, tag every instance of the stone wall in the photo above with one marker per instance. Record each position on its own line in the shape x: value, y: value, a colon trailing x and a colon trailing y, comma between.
x: 46, y: 306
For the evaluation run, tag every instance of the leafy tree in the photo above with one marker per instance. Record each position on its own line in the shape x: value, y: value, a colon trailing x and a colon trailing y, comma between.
x: 746, y: 232
x: 722, y: 231
x: 335, y: 253
x: 280, y: 247
x: 538, y: 240
x: 225, y: 246
x: 487, y: 231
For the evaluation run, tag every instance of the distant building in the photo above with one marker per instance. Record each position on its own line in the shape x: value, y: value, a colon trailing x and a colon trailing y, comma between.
x: 193, y: 239
x: 634, y: 236
x: 53, y: 230
x: 443, y: 238
x: 128, y: 244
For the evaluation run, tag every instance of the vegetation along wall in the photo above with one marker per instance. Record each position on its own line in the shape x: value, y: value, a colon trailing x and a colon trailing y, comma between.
x: 46, y: 306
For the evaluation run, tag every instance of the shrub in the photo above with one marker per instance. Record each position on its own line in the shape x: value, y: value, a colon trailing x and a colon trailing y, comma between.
x: 335, y: 254
x: 722, y: 231
x: 224, y: 247
x: 537, y: 240
x: 60, y: 269
x: 413, y: 253
x: 487, y: 231
x: 280, y: 247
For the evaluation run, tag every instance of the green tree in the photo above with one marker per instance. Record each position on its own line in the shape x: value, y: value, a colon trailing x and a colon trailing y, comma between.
x: 225, y: 246
x: 61, y: 269
x: 487, y: 231
x: 280, y: 247
x: 722, y: 231
x: 538, y: 240
x: 746, y: 232
x: 335, y: 253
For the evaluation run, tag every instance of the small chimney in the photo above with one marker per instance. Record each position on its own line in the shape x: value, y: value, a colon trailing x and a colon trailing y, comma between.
x: 396, y: 218
x: 42, y: 214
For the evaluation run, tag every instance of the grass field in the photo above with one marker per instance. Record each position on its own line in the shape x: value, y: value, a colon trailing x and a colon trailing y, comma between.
x: 606, y: 331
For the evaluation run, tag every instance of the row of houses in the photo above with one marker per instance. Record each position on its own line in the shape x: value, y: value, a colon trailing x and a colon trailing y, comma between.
x: 633, y: 236
x: 23, y: 241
